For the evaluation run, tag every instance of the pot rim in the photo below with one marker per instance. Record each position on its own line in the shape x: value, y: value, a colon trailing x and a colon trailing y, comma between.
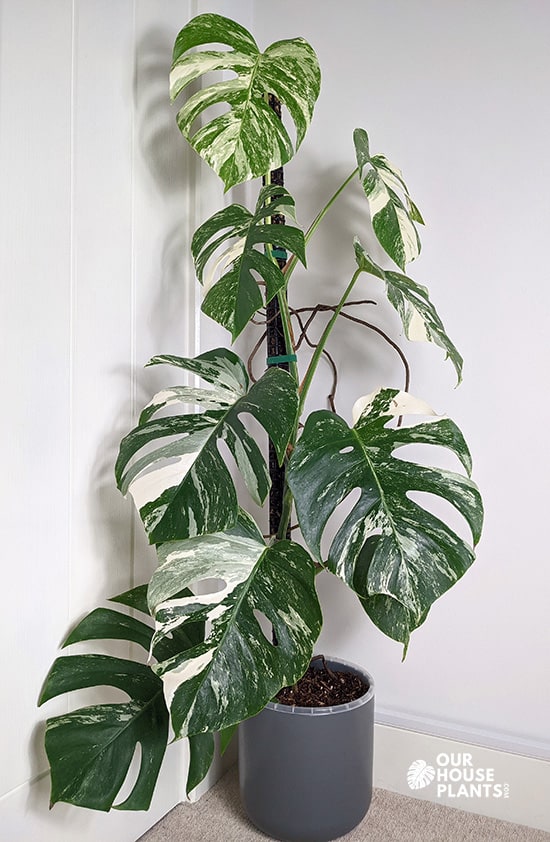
x: 336, y: 663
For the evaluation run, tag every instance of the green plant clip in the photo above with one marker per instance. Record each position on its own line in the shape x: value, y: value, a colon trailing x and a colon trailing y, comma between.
x: 282, y: 358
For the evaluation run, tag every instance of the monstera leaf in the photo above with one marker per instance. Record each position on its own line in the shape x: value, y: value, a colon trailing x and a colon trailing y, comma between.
x: 393, y: 218
x: 247, y: 139
x: 237, y: 670
x: 235, y: 297
x: 395, y: 554
x: 90, y: 750
x: 184, y: 488
x: 421, y: 322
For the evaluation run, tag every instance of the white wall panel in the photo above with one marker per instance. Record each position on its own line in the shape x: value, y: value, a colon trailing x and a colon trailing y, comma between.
x: 457, y: 95
x: 90, y: 272
x: 35, y: 273
x: 103, y: 113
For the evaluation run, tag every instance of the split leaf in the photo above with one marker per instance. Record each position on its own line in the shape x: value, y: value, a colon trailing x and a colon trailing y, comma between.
x: 247, y: 139
x: 394, y: 553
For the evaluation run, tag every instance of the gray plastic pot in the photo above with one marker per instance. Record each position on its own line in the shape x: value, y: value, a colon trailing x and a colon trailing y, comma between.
x: 306, y: 773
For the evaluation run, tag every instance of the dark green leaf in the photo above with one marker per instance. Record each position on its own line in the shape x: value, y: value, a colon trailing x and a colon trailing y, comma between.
x: 135, y: 598
x: 201, y: 754
x: 90, y: 750
x: 104, y: 623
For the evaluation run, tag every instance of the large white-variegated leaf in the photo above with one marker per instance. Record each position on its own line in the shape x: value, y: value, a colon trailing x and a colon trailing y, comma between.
x: 247, y: 139
x: 234, y: 297
x: 184, y: 487
x: 395, y: 554
x: 237, y: 670
x: 393, y: 217
x: 420, y: 319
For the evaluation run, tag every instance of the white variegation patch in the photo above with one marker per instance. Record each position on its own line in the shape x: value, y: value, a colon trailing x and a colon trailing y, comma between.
x: 416, y: 327
x: 194, y: 65
x: 409, y: 237
x: 208, y: 398
x: 271, y: 579
x: 148, y: 487
x: 186, y: 670
x: 378, y: 197
x: 221, y: 263
x: 391, y: 174
x: 402, y: 404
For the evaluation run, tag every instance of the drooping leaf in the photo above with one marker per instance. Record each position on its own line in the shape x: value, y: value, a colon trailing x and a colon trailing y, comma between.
x: 201, y: 754
x: 397, y: 555
x: 111, y: 625
x: 393, y: 217
x: 184, y: 488
x: 420, y: 319
x: 234, y: 298
x: 90, y: 750
x: 226, y: 735
x: 136, y: 598
x: 237, y: 670
x: 247, y: 139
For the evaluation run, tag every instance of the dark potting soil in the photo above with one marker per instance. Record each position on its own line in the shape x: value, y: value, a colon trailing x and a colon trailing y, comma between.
x: 322, y: 688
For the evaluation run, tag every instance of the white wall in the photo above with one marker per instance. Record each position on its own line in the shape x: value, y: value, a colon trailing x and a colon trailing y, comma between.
x: 97, y: 199
x: 456, y: 93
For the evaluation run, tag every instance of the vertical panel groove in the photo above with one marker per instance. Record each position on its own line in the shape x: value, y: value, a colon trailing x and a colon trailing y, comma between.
x: 72, y: 308
x: 133, y: 290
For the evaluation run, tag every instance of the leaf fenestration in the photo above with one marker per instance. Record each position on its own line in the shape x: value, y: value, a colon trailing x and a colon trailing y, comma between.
x: 395, y: 554
x: 184, y: 488
x: 247, y: 139
x: 90, y: 750
x: 234, y: 297
x: 236, y: 671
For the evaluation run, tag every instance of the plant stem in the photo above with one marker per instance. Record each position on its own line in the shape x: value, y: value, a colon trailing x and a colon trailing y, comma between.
x: 316, y: 222
x: 306, y: 382
x: 286, y: 512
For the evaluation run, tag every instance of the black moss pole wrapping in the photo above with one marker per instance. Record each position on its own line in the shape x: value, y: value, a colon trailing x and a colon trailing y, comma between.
x: 276, y: 347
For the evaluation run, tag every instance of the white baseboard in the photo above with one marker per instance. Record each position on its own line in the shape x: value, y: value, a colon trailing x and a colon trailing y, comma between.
x: 507, y: 785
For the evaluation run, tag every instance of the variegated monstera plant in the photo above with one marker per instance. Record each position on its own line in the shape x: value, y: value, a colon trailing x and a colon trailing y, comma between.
x: 210, y: 665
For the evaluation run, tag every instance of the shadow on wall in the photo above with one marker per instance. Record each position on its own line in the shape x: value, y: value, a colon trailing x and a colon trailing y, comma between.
x: 170, y: 163
x: 163, y: 152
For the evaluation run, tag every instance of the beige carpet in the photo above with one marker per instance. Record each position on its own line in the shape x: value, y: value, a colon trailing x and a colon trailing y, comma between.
x: 218, y: 817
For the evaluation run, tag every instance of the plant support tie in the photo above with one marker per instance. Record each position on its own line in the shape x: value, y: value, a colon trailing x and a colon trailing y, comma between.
x: 282, y: 358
